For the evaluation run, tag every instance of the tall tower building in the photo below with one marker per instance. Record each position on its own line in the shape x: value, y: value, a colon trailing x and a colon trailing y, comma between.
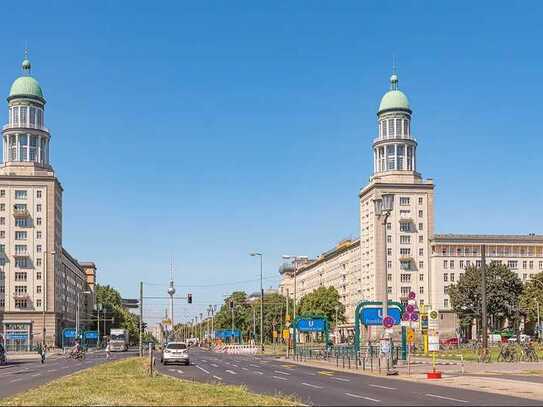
x: 39, y: 280
x: 410, y: 224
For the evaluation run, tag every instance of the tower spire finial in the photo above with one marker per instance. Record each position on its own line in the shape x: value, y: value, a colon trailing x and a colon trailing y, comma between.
x: 26, y: 65
x: 394, y: 76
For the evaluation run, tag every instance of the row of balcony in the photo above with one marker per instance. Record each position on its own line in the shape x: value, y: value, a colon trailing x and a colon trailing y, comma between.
x: 24, y: 126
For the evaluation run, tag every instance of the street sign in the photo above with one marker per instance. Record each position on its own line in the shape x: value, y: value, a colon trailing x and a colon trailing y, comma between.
x: 374, y: 315
x: 424, y: 321
x: 311, y: 325
x: 286, y: 333
x: 414, y: 316
x: 410, y: 308
x: 433, y: 320
x: 388, y: 322
x: 385, y: 346
x: 433, y: 314
x: 69, y: 333
x: 410, y: 335
x: 275, y: 334
x: 412, y: 295
x: 433, y: 343
x: 91, y: 335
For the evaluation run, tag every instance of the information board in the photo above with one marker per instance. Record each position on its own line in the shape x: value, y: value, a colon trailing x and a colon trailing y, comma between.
x: 311, y: 325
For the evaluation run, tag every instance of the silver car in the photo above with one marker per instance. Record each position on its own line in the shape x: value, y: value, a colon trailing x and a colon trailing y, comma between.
x: 175, y: 352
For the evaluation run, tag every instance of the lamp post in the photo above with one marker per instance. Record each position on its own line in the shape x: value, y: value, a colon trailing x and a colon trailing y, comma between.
x: 77, y: 312
x: 261, y: 303
x: 383, y: 208
x: 294, y: 260
x: 337, y: 330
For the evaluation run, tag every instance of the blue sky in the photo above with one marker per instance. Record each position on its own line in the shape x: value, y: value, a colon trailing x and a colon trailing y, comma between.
x: 206, y: 130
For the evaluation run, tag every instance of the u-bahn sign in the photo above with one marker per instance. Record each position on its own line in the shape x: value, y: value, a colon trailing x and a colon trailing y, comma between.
x: 373, y: 315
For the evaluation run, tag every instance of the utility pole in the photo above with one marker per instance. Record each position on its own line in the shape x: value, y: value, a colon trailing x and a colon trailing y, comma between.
x: 483, y: 298
x: 99, y: 308
x: 141, y: 319
x: 254, y: 324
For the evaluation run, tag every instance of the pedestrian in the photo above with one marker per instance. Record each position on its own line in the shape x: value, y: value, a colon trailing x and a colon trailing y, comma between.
x: 41, y: 352
x: 108, y: 351
x: 44, y: 352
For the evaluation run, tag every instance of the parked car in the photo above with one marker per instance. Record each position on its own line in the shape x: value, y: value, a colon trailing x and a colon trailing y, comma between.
x: 175, y: 352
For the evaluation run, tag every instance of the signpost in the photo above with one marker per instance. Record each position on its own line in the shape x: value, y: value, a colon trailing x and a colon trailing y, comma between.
x: 370, y: 313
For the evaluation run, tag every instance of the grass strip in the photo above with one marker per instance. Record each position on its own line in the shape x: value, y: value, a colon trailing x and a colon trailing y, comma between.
x: 126, y: 382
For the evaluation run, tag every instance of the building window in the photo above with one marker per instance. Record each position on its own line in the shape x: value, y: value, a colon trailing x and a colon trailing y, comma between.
x: 389, y: 290
x: 404, y: 201
x: 389, y: 264
x: 420, y: 226
x: 389, y: 277
x: 452, y: 277
x: 405, y: 290
x: 38, y: 248
x: 38, y: 234
x: 21, y: 222
x: 22, y: 262
x: 389, y: 251
x: 405, y: 227
x: 445, y: 289
x: 477, y: 263
x: 524, y: 264
x: 405, y: 278
x: 38, y: 194
x: 512, y: 264
x: 20, y: 276
x: 531, y: 264
x: 405, y: 251
x: 20, y: 235
x: 446, y: 303
x: 445, y: 264
x: 20, y: 249
x: 2, y: 193
x: 421, y: 239
x: 421, y: 302
x: 2, y: 207
x: 468, y: 263
x: 405, y: 239
x: 38, y: 221
x: 421, y: 251
x: 38, y: 275
x: 421, y: 264
x: 2, y: 220
x: 421, y: 277
x: 461, y: 264
x: 38, y: 289
x: 38, y: 208
x: 2, y: 234
x: 20, y: 194
x: 524, y: 276
x: 21, y: 304
x: 420, y: 201
x: 20, y: 289
x: 38, y: 303
x: 389, y: 226
x: 421, y: 214
x: 389, y: 239
x: 541, y: 265
x: 421, y: 290
x: 446, y: 277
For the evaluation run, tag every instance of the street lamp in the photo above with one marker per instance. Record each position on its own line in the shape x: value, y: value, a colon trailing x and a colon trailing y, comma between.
x: 261, y: 303
x: 77, y: 312
x: 294, y: 260
x: 383, y: 208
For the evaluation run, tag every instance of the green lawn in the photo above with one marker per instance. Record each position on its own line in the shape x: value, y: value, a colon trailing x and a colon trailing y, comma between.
x: 126, y: 382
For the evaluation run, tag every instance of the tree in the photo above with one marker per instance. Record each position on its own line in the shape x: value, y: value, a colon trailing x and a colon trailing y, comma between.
x: 531, y: 297
x: 323, y: 301
x: 242, y: 314
x: 503, y: 289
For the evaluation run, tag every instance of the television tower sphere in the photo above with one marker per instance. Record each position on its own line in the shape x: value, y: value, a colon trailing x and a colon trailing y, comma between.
x: 171, y: 290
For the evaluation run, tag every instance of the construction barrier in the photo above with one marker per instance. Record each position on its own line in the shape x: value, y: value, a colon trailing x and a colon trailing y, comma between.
x: 236, y: 349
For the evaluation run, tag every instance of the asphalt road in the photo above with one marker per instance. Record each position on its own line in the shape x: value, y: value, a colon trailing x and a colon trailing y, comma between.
x: 22, y: 374
x: 316, y: 386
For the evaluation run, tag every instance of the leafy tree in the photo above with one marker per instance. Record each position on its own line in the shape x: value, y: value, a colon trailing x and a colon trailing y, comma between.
x: 275, y: 308
x: 503, y: 289
x: 531, y: 296
x: 323, y: 301
x: 242, y: 314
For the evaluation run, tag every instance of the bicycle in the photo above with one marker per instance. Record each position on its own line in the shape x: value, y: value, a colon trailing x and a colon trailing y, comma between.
x: 80, y: 355
x: 507, y: 353
x: 483, y: 355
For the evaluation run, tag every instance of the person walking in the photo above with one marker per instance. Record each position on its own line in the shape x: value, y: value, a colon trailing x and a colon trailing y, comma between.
x: 108, y: 351
x: 41, y: 352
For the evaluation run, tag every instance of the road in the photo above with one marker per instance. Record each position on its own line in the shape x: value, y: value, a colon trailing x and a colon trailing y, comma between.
x: 316, y: 386
x: 20, y: 374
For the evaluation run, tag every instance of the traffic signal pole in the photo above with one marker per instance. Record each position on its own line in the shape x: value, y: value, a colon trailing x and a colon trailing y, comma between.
x: 141, y: 319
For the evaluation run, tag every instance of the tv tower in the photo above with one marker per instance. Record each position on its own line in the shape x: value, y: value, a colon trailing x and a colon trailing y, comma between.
x: 171, y: 292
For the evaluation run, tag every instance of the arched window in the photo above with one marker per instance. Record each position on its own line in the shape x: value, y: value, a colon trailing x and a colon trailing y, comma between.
x: 390, y: 157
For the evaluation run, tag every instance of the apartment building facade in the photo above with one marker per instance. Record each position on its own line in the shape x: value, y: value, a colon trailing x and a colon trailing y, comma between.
x: 39, y: 279
x: 416, y: 259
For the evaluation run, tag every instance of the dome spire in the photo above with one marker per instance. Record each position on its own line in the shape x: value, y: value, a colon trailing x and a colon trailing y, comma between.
x: 26, y: 65
x: 394, y: 76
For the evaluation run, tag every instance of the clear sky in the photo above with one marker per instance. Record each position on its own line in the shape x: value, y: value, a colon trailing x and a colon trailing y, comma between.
x: 206, y: 130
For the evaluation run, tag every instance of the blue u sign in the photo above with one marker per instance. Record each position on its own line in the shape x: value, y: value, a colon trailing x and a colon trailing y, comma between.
x: 69, y: 333
x: 374, y: 315
x: 311, y: 325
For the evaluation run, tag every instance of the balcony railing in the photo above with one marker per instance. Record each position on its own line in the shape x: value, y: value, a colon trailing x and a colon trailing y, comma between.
x: 20, y: 213
x: 24, y: 126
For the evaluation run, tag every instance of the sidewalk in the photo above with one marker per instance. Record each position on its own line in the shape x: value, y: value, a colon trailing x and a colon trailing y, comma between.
x: 514, y: 379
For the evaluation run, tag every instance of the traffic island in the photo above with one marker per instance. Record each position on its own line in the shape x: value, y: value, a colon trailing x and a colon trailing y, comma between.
x: 127, y: 382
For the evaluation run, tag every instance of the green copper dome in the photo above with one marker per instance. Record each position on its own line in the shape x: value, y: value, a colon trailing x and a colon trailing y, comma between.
x: 26, y: 86
x: 394, y: 98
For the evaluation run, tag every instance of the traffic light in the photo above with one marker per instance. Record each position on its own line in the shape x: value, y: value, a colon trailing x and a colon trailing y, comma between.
x: 189, y: 298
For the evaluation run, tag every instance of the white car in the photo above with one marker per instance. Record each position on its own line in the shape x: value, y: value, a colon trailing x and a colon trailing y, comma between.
x: 175, y: 352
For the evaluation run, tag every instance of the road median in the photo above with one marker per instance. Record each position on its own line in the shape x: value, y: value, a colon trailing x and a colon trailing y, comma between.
x: 127, y: 382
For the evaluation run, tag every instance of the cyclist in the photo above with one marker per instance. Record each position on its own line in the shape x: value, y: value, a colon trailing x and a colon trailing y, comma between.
x: 76, y: 350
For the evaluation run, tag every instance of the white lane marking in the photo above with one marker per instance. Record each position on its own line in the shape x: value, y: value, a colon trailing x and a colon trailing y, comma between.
x: 202, y: 369
x: 280, y: 372
x: 179, y: 371
x: 52, y: 370
x: 217, y: 377
x: 257, y: 372
x: 312, y: 385
x: 171, y: 370
x: 280, y: 378
x: 214, y: 365
x: 244, y: 368
x: 356, y: 396
x: 382, y: 387
x: 230, y: 371
x: 16, y: 380
x: 205, y: 361
x: 341, y: 379
x: 446, y: 398
x: 35, y: 375
x: 250, y: 364
x: 235, y: 365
